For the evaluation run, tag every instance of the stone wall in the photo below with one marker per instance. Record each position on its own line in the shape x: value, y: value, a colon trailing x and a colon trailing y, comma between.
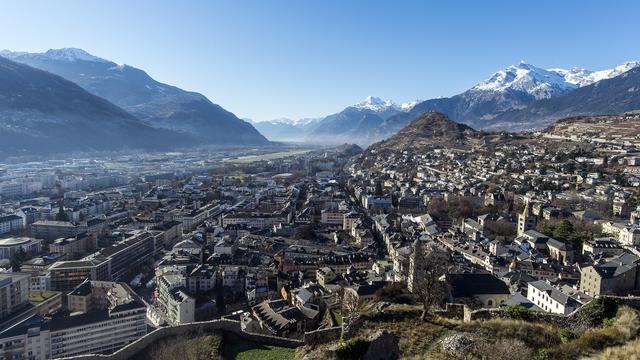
x: 451, y: 311
x: 572, y: 320
x: 323, y: 335
x: 192, y: 329
x: 351, y: 324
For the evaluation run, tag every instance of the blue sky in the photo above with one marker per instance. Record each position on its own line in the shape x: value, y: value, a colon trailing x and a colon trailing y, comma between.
x: 266, y: 59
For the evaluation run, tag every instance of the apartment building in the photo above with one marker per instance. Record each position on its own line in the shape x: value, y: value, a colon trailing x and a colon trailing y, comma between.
x: 10, y: 223
x: 14, y: 292
x: 616, y: 276
x: 110, y: 263
x: 114, y: 318
x: 74, y: 247
x: 51, y: 230
x: 174, y: 302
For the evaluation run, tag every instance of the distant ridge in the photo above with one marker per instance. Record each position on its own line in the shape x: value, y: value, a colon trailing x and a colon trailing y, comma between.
x: 43, y: 113
x: 159, y: 104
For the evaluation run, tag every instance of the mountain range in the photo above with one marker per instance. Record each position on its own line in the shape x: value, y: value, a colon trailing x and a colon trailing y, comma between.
x: 67, y: 100
x: 351, y: 123
x: 44, y: 113
x: 519, y: 97
x: 524, y: 97
x: 158, y: 104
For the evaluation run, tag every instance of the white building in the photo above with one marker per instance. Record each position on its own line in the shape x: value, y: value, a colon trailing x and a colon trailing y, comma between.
x: 115, y: 318
x: 175, y: 304
x: 630, y: 235
x: 26, y: 340
x: 323, y: 177
x: 550, y: 299
x: 225, y: 247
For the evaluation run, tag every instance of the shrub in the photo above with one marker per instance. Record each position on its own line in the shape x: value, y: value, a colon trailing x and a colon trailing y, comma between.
x: 505, y: 349
x: 543, y: 354
x: 623, y: 327
x: 599, y: 309
x: 630, y: 350
x: 517, y: 312
x: 596, y: 339
x: 566, y: 335
x: 395, y: 293
x: 628, y: 321
x: 608, y: 322
x: 352, y: 349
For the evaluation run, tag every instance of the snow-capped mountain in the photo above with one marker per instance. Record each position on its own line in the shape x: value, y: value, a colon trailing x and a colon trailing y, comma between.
x: 545, y: 84
x: 159, y: 104
x: 528, y: 79
x: 582, y: 77
x: 409, y: 105
x: 345, y: 126
x: 286, y: 121
x: 376, y: 104
x: 65, y: 54
x: 505, y: 92
x: 285, y: 129
x: 614, y: 95
x: 356, y: 122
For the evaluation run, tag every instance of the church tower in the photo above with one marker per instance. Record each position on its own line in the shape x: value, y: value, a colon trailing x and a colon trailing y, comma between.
x: 526, y: 220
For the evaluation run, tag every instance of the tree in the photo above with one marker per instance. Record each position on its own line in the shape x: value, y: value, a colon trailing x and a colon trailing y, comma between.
x: 303, y: 232
x: 379, y: 191
x: 564, y: 230
x: 349, y: 300
x: 61, y: 215
x: 17, y: 259
x: 429, y: 265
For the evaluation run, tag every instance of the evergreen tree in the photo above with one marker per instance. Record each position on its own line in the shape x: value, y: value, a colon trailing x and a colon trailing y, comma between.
x: 379, y: 189
x: 61, y: 215
x: 564, y: 230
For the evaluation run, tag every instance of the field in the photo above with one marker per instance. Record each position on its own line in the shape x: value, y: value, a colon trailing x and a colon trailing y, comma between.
x: 266, y: 157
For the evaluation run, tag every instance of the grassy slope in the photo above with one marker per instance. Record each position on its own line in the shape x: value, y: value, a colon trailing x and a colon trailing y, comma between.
x: 502, y: 338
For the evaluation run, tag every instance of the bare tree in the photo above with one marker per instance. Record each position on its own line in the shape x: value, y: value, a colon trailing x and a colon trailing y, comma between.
x: 349, y: 300
x: 429, y: 266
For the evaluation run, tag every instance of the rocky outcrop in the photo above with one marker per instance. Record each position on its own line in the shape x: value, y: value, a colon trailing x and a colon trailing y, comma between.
x: 457, y: 345
x: 383, y: 345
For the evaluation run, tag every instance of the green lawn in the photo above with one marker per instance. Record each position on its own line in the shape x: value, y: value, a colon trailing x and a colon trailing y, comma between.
x: 266, y: 157
x: 238, y: 349
x: 266, y: 353
x: 337, y: 316
x: 40, y: 296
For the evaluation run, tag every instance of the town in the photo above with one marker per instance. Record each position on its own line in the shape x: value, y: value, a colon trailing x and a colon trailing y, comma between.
x: 98, y: 253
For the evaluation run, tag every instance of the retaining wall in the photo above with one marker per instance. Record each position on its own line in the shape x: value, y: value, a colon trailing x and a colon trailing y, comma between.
x: 567, y: 321
x: 323, y: 335
x: 197, y: 328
